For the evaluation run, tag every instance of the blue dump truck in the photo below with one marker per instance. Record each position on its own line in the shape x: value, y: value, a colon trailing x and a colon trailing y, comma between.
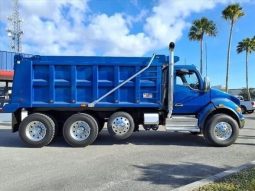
x: 77, y: 95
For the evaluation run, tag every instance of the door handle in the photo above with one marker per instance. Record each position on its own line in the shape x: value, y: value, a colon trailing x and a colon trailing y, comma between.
x: 178, y: 105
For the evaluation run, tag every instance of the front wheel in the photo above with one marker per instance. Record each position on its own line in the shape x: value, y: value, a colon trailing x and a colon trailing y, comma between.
x: 221, y: 130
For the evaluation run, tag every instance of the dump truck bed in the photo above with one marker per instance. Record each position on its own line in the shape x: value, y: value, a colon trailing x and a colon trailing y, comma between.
x: 67, y: 81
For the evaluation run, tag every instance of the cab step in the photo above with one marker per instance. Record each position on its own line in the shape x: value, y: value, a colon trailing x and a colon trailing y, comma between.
x: 182, y: 123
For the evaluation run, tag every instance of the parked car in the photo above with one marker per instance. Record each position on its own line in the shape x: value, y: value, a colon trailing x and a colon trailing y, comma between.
x: 246, y: 106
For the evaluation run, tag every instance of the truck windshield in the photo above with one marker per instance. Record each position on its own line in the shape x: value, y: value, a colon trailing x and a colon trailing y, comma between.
x: 187, y: 79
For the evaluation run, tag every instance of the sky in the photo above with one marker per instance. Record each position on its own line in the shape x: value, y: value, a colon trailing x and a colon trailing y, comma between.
x: 133, y: 28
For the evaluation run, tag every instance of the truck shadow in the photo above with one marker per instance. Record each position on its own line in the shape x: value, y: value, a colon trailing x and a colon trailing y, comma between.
x: 154, y: 138
x: 9, y: 139
x: 176, y: 174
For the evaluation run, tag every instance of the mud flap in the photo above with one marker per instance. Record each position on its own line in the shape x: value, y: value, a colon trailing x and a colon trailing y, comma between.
x: 16, y: 119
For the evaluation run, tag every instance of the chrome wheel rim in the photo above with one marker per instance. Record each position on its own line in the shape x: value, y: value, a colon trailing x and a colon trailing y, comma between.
x: 80, y: 130
x: 223, y: 131
x: 36, y: 131
x: 120, y: 125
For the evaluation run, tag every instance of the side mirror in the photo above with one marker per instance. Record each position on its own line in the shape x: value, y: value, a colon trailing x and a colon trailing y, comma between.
x: 207, y: 85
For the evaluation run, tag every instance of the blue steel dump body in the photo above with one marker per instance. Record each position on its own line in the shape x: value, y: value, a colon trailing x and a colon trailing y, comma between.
x: 61, y: 81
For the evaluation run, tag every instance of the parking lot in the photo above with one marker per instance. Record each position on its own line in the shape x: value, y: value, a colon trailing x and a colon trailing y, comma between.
x: 147, y: 161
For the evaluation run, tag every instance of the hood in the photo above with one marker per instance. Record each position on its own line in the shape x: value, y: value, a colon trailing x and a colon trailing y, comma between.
x: 220, y: 94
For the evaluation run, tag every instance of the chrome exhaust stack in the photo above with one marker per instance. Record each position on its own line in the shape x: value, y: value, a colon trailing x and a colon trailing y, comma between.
x: 171, y: 80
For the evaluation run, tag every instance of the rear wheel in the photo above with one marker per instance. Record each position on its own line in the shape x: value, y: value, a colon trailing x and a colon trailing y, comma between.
x: 221, y: 130
x: 250, y: 111
x: 120, y: 125
x: 80, y: 130
x: 37, y: 130
x: 55, y: 123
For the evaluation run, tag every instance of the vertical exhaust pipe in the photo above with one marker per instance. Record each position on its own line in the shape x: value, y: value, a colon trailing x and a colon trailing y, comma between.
x: 171, y: 80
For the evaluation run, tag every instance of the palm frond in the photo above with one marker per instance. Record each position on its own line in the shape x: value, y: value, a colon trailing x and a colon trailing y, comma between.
x: 233, y: 12
x: 200, y: 27
x: 247, y: 45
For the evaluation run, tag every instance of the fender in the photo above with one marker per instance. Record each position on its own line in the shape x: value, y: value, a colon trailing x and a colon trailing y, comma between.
x: 10, y: 108
x: 204, y: 113
x: 220, y: 105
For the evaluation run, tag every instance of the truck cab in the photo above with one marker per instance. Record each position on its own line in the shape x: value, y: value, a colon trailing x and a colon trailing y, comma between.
x: 189, y: 91
x: 198, y: 108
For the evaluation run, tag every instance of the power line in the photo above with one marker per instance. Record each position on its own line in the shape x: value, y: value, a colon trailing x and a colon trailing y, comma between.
x: 14, y: 30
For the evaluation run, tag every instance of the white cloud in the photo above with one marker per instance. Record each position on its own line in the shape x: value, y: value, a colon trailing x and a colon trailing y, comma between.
x: 168, y: 19
x: 111, y: 34
x: 69, y: 27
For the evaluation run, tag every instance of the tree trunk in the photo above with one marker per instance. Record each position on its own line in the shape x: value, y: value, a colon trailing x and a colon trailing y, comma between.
x: 247, y: 79
x: 201, y: 56
x: 228, y: 54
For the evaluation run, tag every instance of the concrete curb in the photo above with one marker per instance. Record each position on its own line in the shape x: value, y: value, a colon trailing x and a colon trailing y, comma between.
x: 211, y: 179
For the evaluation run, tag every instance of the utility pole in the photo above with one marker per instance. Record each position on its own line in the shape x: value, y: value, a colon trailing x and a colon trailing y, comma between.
x: 14, y: 30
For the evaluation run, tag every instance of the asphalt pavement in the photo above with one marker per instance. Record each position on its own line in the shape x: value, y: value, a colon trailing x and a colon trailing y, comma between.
x: 147, y: 161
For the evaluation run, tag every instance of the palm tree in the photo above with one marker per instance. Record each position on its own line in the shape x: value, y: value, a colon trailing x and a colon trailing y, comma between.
x: 247, y: 45
x: 231, y: 13
x: 197, y: 31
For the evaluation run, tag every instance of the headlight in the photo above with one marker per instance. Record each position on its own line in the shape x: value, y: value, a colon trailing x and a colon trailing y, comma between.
x: 239, y: 110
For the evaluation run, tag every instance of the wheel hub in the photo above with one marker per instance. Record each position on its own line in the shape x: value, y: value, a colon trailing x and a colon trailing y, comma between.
x: 80, y: 130
x: 120, y: 125
x: 35, y: 131
x: 223, y: 130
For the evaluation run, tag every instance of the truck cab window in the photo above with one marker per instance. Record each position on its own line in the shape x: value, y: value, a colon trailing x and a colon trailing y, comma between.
x: 179, y: 80
x: 187, y: 78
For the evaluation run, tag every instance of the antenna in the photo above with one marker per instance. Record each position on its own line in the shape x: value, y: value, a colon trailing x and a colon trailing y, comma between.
x: 14, y: 30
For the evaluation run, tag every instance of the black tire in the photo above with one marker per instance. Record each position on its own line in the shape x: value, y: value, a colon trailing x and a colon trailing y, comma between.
x: 48, y: 124
x: 122, y: 134
x: 250, y: 111
x: 92, y: 126
x: 209, y: 133
x: 56, y: 124
x: 243, y: 108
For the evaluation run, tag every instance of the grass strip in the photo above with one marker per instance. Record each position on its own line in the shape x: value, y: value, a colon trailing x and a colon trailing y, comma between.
x: 242, y: 181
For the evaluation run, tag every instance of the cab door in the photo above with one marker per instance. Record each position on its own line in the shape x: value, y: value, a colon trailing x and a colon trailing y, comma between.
x: 189, y: 98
